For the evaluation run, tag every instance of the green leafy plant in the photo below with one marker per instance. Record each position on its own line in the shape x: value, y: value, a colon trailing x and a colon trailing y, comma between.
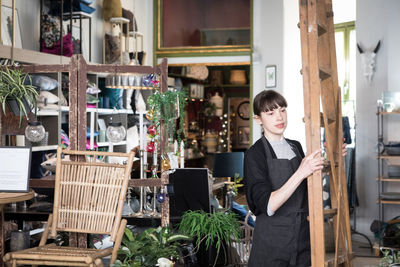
x: 145, y: 248
x: 389, y: 257
x: 17, y: 85
x: 164, y: 107
x: 236, y: 183
x: 212, y: 228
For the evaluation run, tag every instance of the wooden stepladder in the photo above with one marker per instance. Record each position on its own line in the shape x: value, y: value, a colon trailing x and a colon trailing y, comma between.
x: 321, y: 89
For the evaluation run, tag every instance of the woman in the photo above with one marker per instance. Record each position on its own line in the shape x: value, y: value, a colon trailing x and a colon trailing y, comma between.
x: 275, y: 175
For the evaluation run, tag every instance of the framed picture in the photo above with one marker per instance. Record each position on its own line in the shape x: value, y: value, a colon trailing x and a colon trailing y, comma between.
x: 270, y: 76
x: 244, y: 135
x: 15, y: 166
x: 7, y: 26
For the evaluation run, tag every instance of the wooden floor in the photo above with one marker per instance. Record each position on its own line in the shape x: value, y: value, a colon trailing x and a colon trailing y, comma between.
x: 363, y: 255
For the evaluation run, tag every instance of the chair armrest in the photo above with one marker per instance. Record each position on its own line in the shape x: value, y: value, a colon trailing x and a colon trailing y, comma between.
x: 45, y: 234
x: 118, y: 240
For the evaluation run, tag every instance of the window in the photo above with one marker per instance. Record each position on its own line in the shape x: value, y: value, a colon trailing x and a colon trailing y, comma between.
x: 345, y: 37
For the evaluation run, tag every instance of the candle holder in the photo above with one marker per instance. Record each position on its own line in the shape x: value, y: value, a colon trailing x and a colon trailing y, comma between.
x: 154, y: 169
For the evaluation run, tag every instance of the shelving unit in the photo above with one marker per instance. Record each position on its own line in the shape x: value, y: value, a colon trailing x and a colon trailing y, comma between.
x: 384, y: 160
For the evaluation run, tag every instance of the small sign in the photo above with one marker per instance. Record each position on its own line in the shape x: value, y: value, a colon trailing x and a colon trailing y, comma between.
x: 15, y: 166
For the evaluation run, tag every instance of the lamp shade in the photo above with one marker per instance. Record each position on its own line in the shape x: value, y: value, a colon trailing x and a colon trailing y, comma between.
x: 227, y: 164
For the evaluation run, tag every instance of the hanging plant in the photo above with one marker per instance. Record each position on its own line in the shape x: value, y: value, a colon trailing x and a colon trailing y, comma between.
x: 168, y: 107
x: 16, y: 86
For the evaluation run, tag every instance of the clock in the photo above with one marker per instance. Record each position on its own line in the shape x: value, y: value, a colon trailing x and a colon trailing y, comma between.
x: 243, y: 110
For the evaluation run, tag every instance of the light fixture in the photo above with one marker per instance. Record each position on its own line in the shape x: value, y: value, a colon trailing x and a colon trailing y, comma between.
x: 115, y: 132
x: 35, y: 131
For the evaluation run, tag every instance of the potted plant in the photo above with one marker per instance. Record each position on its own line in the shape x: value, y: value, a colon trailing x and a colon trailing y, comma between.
x: 212, y: 230
x: 144, y: 249
x: 390, y: 258
x: 17, y: 91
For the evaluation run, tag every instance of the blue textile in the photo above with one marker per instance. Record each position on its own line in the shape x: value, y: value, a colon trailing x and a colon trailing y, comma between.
x: 242, y: 212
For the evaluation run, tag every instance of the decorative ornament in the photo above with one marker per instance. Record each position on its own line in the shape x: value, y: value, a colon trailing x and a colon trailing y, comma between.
x: 150, y: 147
x: 150, y: 114
x: 152, y: 130
x: 161, y: 196
x: 35, y: 132
x: 165, y: 164
x: 368, y: 61
x: 115, y: 132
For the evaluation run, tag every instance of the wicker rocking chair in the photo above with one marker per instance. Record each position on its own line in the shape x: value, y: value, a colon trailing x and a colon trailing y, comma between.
x: 88, y: 198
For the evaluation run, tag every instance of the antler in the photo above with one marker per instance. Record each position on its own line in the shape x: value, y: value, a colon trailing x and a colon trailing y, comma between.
x: 359, y: 49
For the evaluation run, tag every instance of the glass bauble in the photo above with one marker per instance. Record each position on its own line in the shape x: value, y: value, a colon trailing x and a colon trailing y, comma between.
x: 35, y: 132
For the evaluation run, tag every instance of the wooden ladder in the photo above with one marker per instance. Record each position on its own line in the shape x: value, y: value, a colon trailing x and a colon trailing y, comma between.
x: 321, y: 89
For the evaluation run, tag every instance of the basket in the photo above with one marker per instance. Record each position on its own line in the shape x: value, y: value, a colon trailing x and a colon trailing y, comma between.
x: 238, y: 77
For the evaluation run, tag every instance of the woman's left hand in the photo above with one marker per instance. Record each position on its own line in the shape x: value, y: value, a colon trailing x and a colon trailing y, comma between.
x: 344, y: 149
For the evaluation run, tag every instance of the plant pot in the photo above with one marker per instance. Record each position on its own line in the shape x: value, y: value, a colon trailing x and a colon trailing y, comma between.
x: 207, y: 257
x: 14, y: 107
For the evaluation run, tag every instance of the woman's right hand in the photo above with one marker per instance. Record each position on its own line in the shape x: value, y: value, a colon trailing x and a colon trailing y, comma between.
x: 310, y: 164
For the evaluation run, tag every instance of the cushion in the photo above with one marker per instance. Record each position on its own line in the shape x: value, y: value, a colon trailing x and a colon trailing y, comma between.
x: 44, y: 82
x: 48, y: 106
x: 132, y: 21
x: 242, y: 212
x: 112, y: 48
x: 47, y: 98
x: 67, y: 47
x: 112, y: 9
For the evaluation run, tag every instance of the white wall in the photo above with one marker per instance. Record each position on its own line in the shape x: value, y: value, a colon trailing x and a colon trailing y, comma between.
x: 267, y: 46
x: 376, y: 20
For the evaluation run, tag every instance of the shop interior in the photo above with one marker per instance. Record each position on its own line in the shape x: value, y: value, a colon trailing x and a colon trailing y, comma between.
x: 129, y: 120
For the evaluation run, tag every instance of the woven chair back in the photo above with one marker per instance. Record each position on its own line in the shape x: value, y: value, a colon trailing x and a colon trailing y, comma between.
x: 89, y: 193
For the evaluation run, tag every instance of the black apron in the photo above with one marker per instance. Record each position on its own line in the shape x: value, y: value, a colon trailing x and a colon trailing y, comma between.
x: 283, y: 239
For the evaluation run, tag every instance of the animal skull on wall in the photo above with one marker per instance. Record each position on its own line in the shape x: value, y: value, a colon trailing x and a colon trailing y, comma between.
x: 368, y: 61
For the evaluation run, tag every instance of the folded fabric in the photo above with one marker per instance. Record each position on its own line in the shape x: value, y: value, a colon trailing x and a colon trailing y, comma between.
x: 92, y: 89
x: 64, y: 139
x: 43, y: 82
x: 67, y: 47
x: 87, y: 2
x: 88, y: 144
x: 47, y: 98
x: 79, y: 6
x: 95, y: 133
x: 90, y: 105
x: 91, y: 99
x: 242, y: 212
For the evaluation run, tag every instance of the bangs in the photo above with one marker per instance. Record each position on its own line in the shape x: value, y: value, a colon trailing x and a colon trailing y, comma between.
x: 268, y: 100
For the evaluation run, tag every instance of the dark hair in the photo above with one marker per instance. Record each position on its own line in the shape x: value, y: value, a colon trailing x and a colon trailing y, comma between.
x: 268, y: 100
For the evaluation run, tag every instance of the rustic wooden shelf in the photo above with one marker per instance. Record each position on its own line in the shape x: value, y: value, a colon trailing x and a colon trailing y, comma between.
x: 386, y: 201
x: 387, y: 113
x: 388, y: 179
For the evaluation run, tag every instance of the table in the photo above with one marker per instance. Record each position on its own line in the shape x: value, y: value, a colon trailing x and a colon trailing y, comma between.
x: 6, y: 198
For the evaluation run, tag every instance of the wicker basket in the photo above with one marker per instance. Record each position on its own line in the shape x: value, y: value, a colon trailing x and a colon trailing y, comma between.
x: 238, y: 77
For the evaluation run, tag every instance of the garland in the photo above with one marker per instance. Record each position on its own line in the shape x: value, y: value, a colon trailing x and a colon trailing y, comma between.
x: 163, y: 107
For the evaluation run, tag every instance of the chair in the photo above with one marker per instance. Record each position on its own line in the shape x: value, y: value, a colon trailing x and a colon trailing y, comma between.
x: 88, y: 198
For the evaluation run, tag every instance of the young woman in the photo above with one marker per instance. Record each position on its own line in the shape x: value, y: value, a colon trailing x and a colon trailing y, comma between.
x: 275, y: 173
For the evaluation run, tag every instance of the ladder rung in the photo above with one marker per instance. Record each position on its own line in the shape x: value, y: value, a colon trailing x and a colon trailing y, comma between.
x: 330, y: 212
x: 323, y: 74
x: 321, y: 30
x: 330, y: 258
